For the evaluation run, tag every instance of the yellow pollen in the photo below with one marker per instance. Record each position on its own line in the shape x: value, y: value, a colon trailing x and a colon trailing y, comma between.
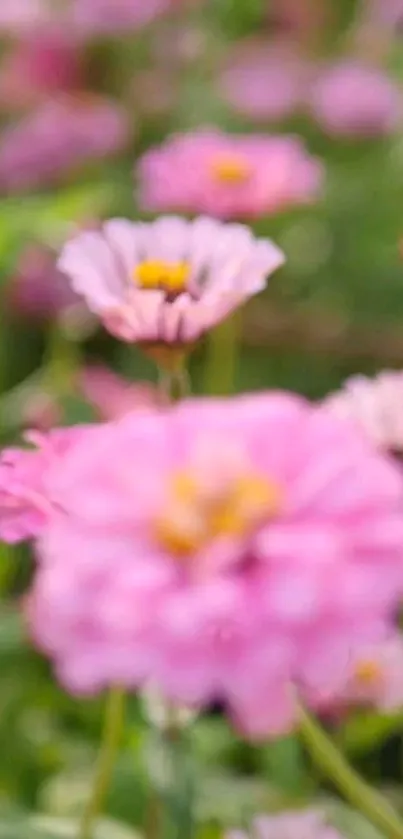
x: 155, y: 274
x: 230, y: 169
x: 367, y: 672
x: 194, y: 518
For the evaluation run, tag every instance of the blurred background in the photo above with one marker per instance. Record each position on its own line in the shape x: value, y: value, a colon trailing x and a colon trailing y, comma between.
x: 86, y: 88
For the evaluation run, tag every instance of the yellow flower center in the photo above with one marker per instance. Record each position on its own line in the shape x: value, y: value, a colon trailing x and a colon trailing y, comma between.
x: 196, y: 516
x: 230, y: 169
x: 367, y: 673
x: 156, y: 274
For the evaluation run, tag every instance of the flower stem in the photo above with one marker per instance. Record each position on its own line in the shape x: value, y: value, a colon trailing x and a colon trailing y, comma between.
x: 221, y: 358
x: 358, y: 792
x: 114, y: 714
x: 174, y: 385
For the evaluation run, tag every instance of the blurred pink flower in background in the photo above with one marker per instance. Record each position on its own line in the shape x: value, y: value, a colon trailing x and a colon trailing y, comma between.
x: 168, y: 281
x: 374, y: 675
x: 387, y: 13
x: 190, y: 546
x: 264, y: 81
x: 37, y: 65
x: 355, y: 99
x: 24, y: 498
x: 38, y: 289
x: 294, y: 824
x: 104, y: 17
x: 61, y: 135
x: 112, y: 396
x: 17, y: 16
x: 229, y: 176
x: 375, y: 405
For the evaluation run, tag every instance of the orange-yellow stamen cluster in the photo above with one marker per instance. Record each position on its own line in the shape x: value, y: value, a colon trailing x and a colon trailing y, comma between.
x: 156, y: 274
x: 367, y: 673
x: 230, y: 169
x: 196, y: 516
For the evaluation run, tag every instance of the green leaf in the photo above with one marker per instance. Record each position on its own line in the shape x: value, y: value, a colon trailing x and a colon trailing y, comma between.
x: 49, y: 827
x: 367, y: 730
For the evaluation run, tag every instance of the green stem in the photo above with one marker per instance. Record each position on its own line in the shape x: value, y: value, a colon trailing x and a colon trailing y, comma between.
x: 174, y: 385
x: 113, y: 722
x: 358, y: 792
x: 222, y: 356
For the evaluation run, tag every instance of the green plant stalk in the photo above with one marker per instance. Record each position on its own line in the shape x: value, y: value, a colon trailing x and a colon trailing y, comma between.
x: 221, y: 357
x: 360, y: 794
x: 113, y: 724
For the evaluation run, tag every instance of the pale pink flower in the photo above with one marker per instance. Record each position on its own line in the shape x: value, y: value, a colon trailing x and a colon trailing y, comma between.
x: 359, y: 665
x: 112, y: 396
x: 111, y: 17
x: 189, y: 547
x: 263, y: 81
x: 17, y: 16
x: 375, y: 405
x: 375, y: 674
x: 354, y: 99
x: 295, y: 824
x: 228, y: 175
x: 40, y: 64
x: 168, y: 281
x: 24, y: 501
x: 60, y: 136
x: 386, y: 13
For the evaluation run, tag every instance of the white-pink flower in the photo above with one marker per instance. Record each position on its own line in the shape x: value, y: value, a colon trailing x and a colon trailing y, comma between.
x: 375, y: 405
x: 295, y: 824
x: 228, y: 175
x: 190, y: 546
x: 168, y: 281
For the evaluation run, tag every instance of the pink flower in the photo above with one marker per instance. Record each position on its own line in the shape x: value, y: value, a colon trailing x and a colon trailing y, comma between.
x: 298, y: 824
x: 112, y: 17
x: 219, y: 538
x: 356, y: 99
x: 38, y: 289
x: 42, y: 63
x: 375, y: 405
x: 113, y: 396
x: 60, y: 136
x: 168, y: 281
x: 359, y: 667
x: 263, y: 81
x: 17, y: 16
x: 25, y: 504
x: 375, y: 674
x: 386, y: 13
x: 229, y: 176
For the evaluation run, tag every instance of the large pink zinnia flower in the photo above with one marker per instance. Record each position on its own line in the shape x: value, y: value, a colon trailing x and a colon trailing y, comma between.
x: 375, y: 405
x: 61, y: 135
x: 168, y: 281
x: 216, y: 539
x: 355, y: 99
x: 229, y: 176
